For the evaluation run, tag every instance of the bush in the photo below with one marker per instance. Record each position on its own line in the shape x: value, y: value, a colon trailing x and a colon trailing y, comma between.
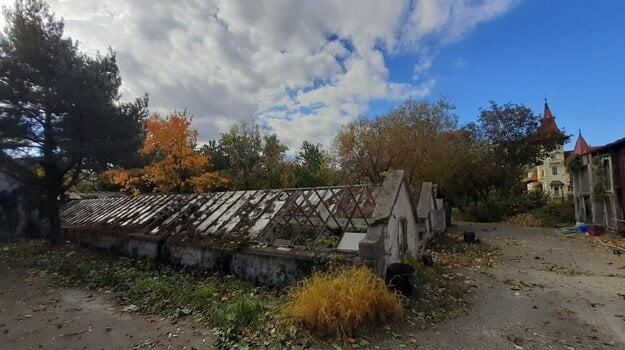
x: 532, y: 205
x: 341, y: 300
x: 554, y: 213
x: 490, y: 211
x: 527, y: 201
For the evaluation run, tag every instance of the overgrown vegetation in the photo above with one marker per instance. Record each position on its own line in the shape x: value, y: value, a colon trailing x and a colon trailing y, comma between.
x: 530, y: 208
x: 600, y: 177
x: 242, y: 314
x: 350, y: 302
x: 341, y: 300
x: 555, y: 213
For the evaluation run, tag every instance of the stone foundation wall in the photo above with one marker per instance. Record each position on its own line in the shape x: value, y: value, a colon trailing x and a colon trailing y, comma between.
x: 266, y: 266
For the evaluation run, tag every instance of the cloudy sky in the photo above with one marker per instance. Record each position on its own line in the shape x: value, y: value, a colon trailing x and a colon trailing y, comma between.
x: 302, y: 68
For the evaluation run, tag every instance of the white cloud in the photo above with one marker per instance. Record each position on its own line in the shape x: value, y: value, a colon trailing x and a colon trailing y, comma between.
x: 302, y: 68
x: 422, y: 66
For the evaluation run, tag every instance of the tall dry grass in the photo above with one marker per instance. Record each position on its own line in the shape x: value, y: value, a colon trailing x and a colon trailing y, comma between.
x: 341, y: 300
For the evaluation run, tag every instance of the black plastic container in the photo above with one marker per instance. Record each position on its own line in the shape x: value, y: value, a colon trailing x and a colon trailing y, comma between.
x: 399, y: 277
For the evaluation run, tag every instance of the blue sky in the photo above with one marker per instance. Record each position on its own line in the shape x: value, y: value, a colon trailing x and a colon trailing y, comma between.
x: 572, y: 52
x: 304, y: 69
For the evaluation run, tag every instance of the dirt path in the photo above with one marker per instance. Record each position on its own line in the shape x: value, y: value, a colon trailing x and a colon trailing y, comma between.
x: 546, y: 291
x: 36, y: 314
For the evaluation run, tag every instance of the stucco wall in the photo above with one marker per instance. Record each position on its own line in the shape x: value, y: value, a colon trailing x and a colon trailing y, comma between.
x: 393, y: 236
x: 545, y: 176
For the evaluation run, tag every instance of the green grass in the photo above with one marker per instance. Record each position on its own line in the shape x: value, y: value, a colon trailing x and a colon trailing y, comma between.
x: 238, y: 310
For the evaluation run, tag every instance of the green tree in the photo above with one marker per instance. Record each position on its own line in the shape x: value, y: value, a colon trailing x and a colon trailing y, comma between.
x: 313, y: 170
x: 250, y: 158
x: 272, y: 163
x: 59, y: 107
x: 510, y: 144
x: 241, y: 146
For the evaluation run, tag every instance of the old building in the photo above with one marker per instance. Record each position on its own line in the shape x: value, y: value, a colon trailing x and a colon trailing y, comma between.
x: 271, y: 236
x: 551, y: 175
x: 599, y: 178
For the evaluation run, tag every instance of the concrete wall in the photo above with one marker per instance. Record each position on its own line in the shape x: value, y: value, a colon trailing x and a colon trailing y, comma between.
x: 394, y: 244
x: 383, y: 243
x: 262, y: 265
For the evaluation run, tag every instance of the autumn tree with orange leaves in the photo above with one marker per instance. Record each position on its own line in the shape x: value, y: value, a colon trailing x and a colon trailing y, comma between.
x: 173, y: 165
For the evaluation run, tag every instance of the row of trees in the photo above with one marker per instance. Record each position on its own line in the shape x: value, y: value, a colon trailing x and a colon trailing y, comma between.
x: 61, y: 117
x: 481, y: 162
x: 477, y: 162
x: 243, y: 158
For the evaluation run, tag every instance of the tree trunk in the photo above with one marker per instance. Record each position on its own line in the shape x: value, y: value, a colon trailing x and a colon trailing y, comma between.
x: 53, y: 182
x: 54, y: 218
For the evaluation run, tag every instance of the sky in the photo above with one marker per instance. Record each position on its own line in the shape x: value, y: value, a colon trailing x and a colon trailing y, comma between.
x: 303, y: 69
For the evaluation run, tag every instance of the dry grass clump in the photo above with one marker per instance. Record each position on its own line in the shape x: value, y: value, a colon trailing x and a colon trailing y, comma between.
x: 341, y: 300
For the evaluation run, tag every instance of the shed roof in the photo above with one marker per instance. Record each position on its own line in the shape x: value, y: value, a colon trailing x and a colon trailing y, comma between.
x: 309, y: 216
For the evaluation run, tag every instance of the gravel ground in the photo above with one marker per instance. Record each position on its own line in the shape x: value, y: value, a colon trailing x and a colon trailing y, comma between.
x: 36, y: 314
x: 546, y: 291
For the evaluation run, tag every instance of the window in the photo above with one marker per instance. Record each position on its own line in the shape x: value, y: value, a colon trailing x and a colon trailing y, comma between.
x: 554, y: 170
x: 556, y: 191
x: 552, y: 156
x: 403, y: 231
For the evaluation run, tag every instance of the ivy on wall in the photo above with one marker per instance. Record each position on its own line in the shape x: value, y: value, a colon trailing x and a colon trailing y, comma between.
x: 573, y: 164
x: 600, y: 188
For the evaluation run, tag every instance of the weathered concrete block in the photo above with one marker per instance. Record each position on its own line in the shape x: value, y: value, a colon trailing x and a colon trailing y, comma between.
x: 142, y: 246
x: 438, y: 220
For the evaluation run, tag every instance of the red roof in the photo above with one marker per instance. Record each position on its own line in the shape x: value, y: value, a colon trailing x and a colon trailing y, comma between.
x: 581, y: 147
x: 548, y: 126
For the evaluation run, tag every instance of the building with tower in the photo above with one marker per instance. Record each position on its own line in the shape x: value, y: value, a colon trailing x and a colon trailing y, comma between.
x: 551, y: 175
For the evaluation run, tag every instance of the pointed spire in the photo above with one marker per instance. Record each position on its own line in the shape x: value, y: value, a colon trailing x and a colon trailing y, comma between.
x: 581, y: 146
x: 547, y: 112
x: 548, y: 126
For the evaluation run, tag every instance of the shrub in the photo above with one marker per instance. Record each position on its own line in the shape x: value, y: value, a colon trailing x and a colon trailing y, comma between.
x: 341, y: 300
x: 490, y: 211
x: 243, y: 310
x: 527, y: 201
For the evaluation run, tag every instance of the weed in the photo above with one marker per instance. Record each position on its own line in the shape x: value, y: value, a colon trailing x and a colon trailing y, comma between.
x: 341, y: 300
